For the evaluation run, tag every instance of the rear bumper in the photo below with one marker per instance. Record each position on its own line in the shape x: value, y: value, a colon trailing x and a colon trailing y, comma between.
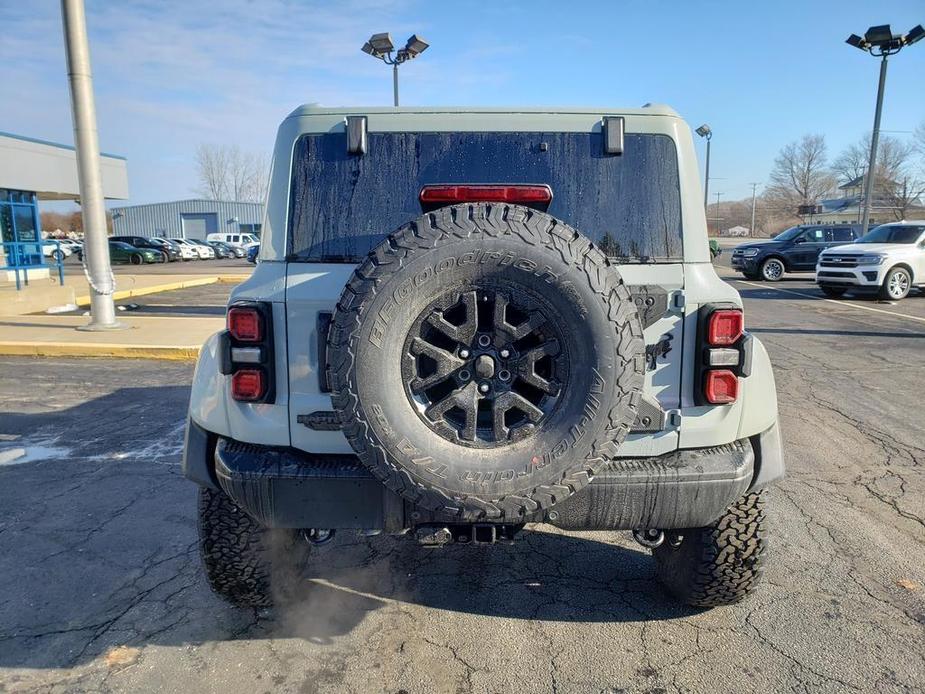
x: 285, y: 487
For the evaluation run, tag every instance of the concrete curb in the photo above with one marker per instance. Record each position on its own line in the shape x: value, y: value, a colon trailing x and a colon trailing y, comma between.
x: 155, y: 289
x: 99, y: 349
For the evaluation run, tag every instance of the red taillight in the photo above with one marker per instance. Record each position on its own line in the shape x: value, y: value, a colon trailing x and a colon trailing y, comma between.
x: 248, y: 385
x: 721, y: 387
x: 725, y: 327
x: 245, y: 324
x: 518, y: 194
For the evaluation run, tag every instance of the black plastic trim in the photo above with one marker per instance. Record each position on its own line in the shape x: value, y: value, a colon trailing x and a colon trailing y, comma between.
x: 322, y: 326
x: 288, y: 488
x: 685, y: 489
x: 197, y: 456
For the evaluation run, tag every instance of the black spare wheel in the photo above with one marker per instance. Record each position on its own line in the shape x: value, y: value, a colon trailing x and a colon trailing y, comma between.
x: 485, y: 361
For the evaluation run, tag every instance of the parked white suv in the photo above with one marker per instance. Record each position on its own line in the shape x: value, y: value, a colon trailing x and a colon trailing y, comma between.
x: 889, y: 260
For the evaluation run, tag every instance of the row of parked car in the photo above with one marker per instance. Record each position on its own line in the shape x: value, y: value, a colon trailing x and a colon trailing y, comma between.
x: 139, y: 250
x: 889, y: 260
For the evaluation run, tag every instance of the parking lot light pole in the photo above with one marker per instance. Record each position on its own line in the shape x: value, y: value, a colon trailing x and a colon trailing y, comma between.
x: 751, y: 231
x: 86, y: 142
x: 704, y: 131
x: 880, y: 42
x: 380, y: 46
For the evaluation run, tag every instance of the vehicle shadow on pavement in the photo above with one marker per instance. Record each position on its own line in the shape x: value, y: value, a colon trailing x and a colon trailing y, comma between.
x: 544, y: 575
x: 99, y: 550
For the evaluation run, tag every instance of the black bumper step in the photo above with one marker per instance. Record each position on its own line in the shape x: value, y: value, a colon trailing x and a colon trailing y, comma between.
x: 284, y: 487
x: 685, y: 489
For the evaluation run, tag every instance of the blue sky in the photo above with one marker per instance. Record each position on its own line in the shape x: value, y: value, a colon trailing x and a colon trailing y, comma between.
x: 172, y: 75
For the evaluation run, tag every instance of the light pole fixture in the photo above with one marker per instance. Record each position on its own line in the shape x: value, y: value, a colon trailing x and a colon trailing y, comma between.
x: 704, y: 131
x: 880, y: 42
x: 380, y: 46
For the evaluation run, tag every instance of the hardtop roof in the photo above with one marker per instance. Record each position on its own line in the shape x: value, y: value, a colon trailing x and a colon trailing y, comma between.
x: 647, y: 110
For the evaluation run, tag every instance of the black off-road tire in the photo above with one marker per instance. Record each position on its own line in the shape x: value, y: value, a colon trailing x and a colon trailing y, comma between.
x: 246, y: 564
x: 721, y: 563
x: 833, y: 291
x: 510, y: 248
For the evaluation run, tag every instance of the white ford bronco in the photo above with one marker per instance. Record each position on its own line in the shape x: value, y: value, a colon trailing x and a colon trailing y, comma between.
x: 888, y: 260
x: 467, y: 321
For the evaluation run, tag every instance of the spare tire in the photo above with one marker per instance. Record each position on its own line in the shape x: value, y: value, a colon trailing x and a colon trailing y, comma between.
x: 485, y: 360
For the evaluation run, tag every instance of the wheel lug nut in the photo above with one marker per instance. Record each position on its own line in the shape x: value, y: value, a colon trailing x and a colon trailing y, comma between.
x: 464, y: 353
x: 505, y: 353
x: 483, y: 387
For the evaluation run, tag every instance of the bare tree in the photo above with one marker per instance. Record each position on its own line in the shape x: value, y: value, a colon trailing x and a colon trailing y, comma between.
x: 226, y: 172
x: 897, y: 185
x: 893, y: 157
x: 904, y: 194
x: 800, y: 175
x: 919, y: 138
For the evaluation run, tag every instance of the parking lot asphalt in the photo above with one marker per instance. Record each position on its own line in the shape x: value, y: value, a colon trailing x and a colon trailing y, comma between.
x: 100, y: 585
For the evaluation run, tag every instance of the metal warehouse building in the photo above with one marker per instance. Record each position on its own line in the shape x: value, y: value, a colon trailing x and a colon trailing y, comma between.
x: 187, y: 218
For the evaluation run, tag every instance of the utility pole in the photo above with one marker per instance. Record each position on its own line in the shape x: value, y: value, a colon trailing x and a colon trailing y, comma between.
x: 880, y: 42
x: 716, y: 216
x: 705, y: 131
x: 874, y: 141
x: 751, y: 231
x: 86, y: 141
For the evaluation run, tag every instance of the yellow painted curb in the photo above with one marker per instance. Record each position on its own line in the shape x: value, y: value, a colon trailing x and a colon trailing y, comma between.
x: 153, y: 289
x: 99, y: 349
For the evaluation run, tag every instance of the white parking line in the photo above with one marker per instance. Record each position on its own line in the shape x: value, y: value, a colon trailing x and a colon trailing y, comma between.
x: 834, y: 301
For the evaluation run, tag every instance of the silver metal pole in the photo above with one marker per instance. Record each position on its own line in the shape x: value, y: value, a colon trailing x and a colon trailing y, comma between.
x: 752, y: 229
x: 395, y: 82
x: 874, y: 140
x: 706, y: 176
x: 86, y: 141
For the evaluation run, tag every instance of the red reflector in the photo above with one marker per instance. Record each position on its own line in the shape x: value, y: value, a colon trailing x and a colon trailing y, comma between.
x: 245, y: 324
x: 247, y: 385
x: 450, y: 194
x: 721, y: 387
x: 725, y: 327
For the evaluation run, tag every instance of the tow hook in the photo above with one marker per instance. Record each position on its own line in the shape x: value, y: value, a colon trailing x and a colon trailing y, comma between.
x: 318, y: 536
x: 649, y: 537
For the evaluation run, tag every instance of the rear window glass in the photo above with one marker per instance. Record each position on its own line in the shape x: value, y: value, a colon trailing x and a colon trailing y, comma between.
x: 343, y: 205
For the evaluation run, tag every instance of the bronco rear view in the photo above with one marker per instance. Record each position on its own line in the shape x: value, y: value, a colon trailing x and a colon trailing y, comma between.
x: 465, y: 321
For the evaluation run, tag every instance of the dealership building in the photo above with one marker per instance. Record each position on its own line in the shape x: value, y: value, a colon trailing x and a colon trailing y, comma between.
x: 32, y: 171
x: 192, y: 219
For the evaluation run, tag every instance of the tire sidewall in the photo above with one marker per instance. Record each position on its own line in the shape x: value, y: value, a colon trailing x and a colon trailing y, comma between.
x: 886, y: 284
x: 568, y: 440
x: 766, y: 264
